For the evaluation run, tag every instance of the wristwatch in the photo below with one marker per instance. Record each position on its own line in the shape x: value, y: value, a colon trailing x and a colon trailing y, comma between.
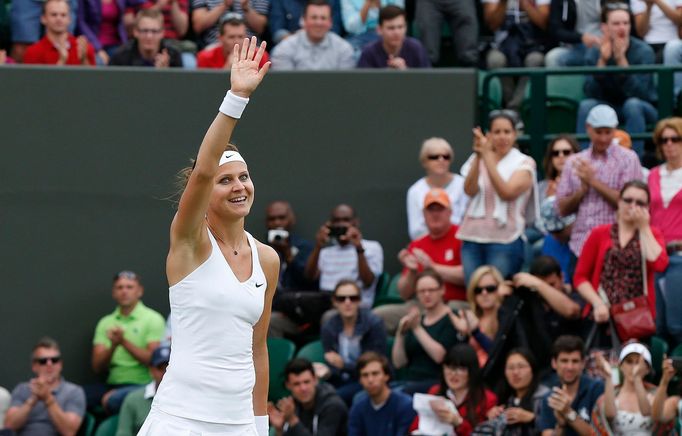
x: 571, y: 416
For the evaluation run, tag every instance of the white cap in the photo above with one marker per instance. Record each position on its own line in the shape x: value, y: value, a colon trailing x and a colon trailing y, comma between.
x: 602, y: 115
x: 635, y: 348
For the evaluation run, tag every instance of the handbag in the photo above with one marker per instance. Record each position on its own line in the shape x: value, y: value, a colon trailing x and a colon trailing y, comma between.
x: 632, y: 318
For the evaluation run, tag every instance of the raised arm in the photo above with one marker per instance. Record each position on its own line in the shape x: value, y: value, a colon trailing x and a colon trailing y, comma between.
x: 187, y: 228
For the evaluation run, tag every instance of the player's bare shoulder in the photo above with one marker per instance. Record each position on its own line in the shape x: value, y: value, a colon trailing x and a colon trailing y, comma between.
x: 269, y: 258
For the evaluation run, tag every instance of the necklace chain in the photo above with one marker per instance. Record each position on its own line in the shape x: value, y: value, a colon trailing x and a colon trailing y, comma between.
x: 234, y: 249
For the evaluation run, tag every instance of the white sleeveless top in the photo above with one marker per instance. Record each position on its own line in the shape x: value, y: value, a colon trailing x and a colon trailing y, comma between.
x: 210, y: 376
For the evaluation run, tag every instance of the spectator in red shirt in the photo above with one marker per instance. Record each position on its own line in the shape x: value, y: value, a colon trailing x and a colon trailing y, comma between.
x: 58, y: 46
x: 232, y: 32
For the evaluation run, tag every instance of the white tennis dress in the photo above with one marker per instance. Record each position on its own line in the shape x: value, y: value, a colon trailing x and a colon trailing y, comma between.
x: 208, y: 386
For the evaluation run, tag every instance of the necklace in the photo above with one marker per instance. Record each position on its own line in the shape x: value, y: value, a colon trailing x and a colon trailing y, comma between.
x: 234, y: 249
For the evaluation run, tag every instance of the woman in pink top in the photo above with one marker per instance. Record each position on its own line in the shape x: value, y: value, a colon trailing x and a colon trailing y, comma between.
x: 502, y: 185
x: 665, y: 183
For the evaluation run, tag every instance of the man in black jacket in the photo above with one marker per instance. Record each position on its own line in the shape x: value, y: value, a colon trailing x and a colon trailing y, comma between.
x: 574, y: 26
x: 313, y: 408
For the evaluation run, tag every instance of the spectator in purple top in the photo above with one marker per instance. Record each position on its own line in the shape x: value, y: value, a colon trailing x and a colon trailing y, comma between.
x: 394, y: 49
x: 101, y: 21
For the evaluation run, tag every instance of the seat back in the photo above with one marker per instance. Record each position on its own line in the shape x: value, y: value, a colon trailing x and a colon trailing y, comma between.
x: 108, y: 427
x: 280, y: 351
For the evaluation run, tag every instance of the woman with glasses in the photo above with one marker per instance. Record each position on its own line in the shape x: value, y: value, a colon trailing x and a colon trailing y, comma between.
x: 665, y: 182
x: 462, y: 384
x: 349, y: 333
x: 481, y: 322
x: 422, y: 340
x: 611, y: 259
x: 221, y: 284
x: 520, y: 396
x: 558, y: 151
x: 501, y: 183
x: 435, y: 157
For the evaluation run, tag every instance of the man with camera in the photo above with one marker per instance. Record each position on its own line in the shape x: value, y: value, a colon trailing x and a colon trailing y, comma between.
x: 291, y: 309
x: 340, y: 253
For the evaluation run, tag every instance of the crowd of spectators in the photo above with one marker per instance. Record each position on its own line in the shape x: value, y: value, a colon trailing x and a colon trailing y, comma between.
x: 496, y: 348
x: 343, y: 34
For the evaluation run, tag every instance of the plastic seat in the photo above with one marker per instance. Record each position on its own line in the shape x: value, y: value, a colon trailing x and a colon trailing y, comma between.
x: 280, y: 352
x: 312, y: 351
x: 87, y: 427
x: 382, y: 286
x: 493, y: 100
x: 659, y: 348
x: 108, y: 427
x: 392, y: 295
x: 564, y: 94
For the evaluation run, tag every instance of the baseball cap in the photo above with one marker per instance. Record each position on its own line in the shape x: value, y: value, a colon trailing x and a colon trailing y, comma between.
x: 637, y: 348
x: 161, y: 355
x: 437, y: 196
x: 602, y: 115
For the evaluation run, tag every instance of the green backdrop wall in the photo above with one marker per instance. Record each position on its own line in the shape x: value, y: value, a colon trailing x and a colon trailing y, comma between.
x: 89, y: 159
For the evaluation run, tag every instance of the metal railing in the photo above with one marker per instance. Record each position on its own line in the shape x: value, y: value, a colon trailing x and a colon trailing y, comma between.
x: 536, y: 129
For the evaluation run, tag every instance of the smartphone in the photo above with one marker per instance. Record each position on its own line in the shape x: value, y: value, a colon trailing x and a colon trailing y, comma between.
x: 677, y: 362
x: 277, y: 235
x: 336, y: 231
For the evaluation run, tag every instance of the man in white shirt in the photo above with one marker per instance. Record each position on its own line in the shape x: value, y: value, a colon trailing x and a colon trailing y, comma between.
x: 655, y: 22
x: 340, y: 253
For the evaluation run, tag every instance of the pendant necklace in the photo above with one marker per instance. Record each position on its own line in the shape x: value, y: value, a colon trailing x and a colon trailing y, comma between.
x: 234, y: 249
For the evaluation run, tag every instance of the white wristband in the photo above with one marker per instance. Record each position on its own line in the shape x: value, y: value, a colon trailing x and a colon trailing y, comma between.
x: 262, y: 425
x: 233, y: 105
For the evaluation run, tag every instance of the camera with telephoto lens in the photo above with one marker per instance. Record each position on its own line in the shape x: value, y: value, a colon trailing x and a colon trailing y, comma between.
x: 277, y: 236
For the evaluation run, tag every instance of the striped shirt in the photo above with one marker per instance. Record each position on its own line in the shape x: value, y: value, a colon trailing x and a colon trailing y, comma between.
x: 614, y: 169
x: 338, y: 262
x: 210, y: 35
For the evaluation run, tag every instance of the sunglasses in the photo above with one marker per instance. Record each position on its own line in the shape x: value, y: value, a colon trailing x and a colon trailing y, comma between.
x: 566, y: 152
x: 488, y: 289
x: 439, y: 156
x: 343, y: 298
x: 672, y: 139
x: 44, y: 360
x: 640, y: 203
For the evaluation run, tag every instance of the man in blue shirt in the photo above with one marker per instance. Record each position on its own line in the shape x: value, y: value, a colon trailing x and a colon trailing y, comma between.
x: 566, y: 409
x: 393, y: 49
x: 632, y: 95
x: 382, y: 411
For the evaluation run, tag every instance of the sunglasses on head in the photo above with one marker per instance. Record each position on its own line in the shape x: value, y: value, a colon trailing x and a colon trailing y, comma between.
x: 488, y: 289
x: 44, y: 360
x: 126, y: 274
x: 443, y: 156
x: 566, y: 152
x: 342, y: 298
x: 672, y: 139
x: 640, y: 203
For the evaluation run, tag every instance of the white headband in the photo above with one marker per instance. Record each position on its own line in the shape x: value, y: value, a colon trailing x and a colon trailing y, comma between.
x: 231, y: 156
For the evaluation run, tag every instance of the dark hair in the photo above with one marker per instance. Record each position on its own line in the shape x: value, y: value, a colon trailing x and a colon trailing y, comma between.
x: 464, y: 356
x: 298, y: 366
x: 46, y: 342
x: 506, y: 392
x: 429, y: 273
x: 568, y: 344
x: 372, y: 356
x: 506, y: 114
x: 390, y: 12
x: 550, y: 171
x: 612, y: 6
x: 317, y: 3
x: 230, y: 19
x: 544, y: 266
x: 346, y: 282
x: 637, y: 184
